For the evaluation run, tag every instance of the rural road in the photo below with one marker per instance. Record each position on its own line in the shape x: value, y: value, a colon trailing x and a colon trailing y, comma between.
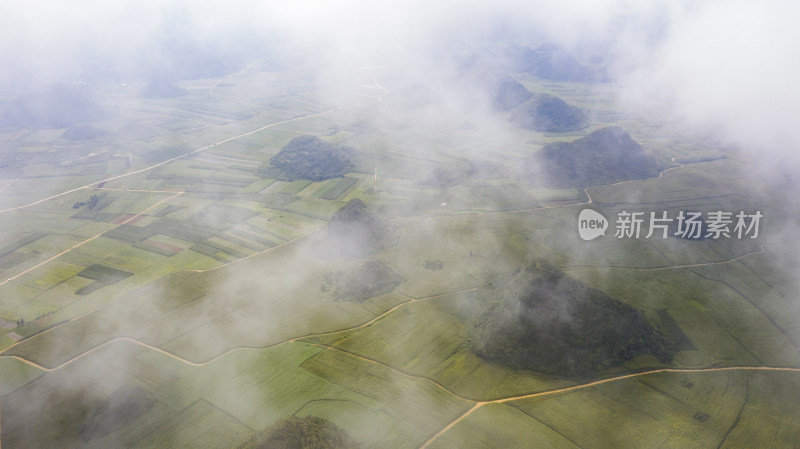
x: 154, y: 166
x: 600, y: 382
x: 444, y: 430
x: 375, y: 85
x: 238, y: 348
x: 583, y: 203
x: 40, y: 264
x: 668, y: 267
x: 477, y: 404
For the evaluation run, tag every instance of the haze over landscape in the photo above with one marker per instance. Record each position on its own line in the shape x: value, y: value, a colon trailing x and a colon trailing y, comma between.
x: 356, y: 224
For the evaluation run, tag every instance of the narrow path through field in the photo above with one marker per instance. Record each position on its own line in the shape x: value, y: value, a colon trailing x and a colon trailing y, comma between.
x: 669, y: 267
x: 288, y: 242
x: 151, y: 167
x: 581, y: 203
x: 389, y: 311
x: 49, y: 329
x: 756, y: 306
x: 403, y: 373
x: 739, y: 414
x: 671, y: 168
x: 375, y: 84
x: 128, y: 220
x: 238, y: 348
x: 247, y: 67
x: 410, y: 299
x: 600, y: 382
x: 477, y: 405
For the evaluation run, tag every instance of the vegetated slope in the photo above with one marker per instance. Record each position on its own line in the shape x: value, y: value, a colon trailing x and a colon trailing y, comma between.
x: 310, y: 432
x: 540, y: 112
x: 537, y: 318
x: 605, y: 156
x: 372, y: 278
x: 552, y: 63
x: 547, y: 113
x: 53, y: 106
x: 509, y: 93
x: 354, y: 230
x: 308, y: 157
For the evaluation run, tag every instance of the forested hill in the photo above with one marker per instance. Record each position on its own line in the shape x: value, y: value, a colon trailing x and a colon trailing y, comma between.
x: 605, y: 156
x: 538, y: 318
x: 547, y: 113
x: 308, y: 157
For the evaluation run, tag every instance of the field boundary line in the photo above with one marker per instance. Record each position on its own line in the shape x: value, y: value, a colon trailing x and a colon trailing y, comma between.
x: 755, y: 305
x: 215, y: 358
x: 579, y: 203
x: 670, y: 267
x: 478, y: 404
x: 388, y: 311
x: 251, y: 255
x: 138, y: 343
x: 392, y: 368
x: 175, y: 272
x: 601, y: 382
x: 88, y: 240
x: 159, y: 164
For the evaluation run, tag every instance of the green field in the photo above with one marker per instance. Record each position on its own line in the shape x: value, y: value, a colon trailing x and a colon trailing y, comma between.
x: 186, y: 308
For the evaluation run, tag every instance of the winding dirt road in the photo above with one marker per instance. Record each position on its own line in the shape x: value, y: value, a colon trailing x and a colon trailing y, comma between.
x: 668, y: 267
x: 477, y: 404
x: 582, y: 203
x: 154, y: 166
x: 599, y: 382
x: 238, y: 348
x: 89, y: 239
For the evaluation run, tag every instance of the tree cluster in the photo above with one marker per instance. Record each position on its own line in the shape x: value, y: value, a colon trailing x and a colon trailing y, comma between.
x: 308, y: 157
x: 355, y: 230
x: 605, y: 156
x: 91, y: 203
x: 372, y: 278
x: 310, y: 432
x: 547, y: 113
x: 537, y: 318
